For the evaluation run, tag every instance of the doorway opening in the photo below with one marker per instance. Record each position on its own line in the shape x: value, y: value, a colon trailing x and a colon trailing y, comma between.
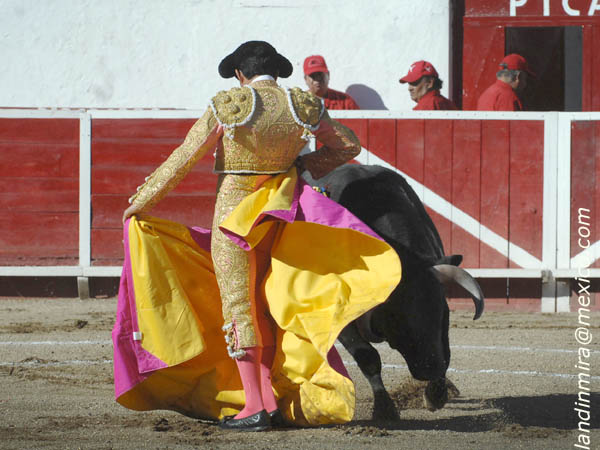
x: 555, y: 55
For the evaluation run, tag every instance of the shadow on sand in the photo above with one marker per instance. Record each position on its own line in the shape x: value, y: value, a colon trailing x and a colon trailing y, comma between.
x: 509, y: 414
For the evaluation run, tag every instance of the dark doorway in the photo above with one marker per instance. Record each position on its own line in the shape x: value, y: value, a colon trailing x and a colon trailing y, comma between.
x: 555, y: 55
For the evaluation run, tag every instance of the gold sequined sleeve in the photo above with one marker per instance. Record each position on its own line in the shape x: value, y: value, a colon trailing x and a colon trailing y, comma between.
x: 341, y: 145
x: 202, y: 137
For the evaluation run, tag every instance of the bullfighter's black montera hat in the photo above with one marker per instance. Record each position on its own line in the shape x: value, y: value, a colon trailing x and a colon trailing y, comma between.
x: 254, y: 48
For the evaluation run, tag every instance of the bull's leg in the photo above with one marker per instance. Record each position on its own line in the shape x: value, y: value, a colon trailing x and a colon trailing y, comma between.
x: 369, y: 362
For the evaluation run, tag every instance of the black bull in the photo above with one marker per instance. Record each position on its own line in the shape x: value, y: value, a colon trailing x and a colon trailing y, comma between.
x: 414, y: 319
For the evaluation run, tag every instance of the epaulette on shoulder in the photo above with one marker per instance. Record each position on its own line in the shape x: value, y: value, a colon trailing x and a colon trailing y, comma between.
x: 234, y: 107
x: 306, y: 108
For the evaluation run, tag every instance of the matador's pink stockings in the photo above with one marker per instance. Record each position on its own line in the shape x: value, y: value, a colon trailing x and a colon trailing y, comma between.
x: 249, y: 373
x: 266, y: 388
x: 255, y: 373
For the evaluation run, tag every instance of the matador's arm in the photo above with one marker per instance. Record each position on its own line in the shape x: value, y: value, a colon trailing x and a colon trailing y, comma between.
x: 341, y: 145
x: 202, y: 137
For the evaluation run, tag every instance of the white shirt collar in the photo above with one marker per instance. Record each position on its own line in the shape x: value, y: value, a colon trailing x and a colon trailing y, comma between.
x: 263, y: 78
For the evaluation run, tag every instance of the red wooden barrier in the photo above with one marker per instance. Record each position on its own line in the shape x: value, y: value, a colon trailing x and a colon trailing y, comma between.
x: 124, y: 152
x: 491, y: 170
x: 472, y: 164
x: 39, y: 191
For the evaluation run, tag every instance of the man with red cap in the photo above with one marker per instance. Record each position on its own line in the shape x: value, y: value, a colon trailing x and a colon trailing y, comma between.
x: 424, y: 87
x: 316, y: 75
x: 511, y: 81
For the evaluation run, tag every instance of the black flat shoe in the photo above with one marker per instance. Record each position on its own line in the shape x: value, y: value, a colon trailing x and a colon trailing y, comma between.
x: 256, y: 422
x: 276, y: 418
x: 226, y: 418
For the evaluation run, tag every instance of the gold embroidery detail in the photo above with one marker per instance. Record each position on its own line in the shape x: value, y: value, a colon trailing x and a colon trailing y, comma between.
x: 233, y: 107
x: 308, y: 107
x: 231, y: 263
x: 269, y: 143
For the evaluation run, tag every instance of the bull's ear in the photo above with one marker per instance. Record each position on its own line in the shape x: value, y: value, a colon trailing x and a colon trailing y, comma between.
x: 453, y: 260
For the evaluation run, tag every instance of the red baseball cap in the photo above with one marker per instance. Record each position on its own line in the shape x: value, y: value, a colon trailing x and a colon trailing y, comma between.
x: 418, y: 70
x: 516, y: 62
x: 315, y: 63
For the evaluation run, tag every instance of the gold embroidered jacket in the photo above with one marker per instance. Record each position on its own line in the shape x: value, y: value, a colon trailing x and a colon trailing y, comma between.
x: 257, y: 129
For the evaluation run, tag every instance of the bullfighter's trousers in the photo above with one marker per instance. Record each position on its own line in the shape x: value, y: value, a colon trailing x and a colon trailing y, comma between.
x: 233, y: 266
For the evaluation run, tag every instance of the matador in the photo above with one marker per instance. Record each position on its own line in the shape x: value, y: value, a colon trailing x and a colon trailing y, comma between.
x: 256, y: 132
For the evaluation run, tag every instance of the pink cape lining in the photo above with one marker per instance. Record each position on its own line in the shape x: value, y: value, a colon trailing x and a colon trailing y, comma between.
x: 311, y: 206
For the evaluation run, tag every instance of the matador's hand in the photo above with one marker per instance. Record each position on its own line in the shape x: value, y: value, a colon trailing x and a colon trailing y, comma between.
x: 133, y: 209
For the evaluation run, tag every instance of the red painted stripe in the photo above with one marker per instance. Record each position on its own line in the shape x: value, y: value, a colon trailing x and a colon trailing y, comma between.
x: 483, y: 50
x: 39, y: 234
x: 382, y: 139
x: 410, y: 148
x: 39, y: 191
x: 39, y: 194
x: 444, y: 228
x: 126, y: 179
x: 39, y: 131
x: 192, y: 210
x: 132, y: 152
x: 151, y: 129
x: 47, y: 159
x: 107, y: 247
x: 438, y: 169
x: 494, y: 187
x: 466, y: 186
x: 526, y: 186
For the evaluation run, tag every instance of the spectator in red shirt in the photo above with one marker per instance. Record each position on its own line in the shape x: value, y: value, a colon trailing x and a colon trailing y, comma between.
x: 511, y: 80
x: 316, y: 75
x: 424, y: 87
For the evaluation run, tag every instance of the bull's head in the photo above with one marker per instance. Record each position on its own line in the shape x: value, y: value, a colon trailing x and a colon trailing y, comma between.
x: 415, y: 321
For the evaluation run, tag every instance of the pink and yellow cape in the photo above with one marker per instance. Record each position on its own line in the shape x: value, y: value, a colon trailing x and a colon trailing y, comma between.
x: 325, y: 268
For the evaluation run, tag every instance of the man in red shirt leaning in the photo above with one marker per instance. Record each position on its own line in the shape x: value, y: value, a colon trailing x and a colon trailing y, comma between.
x: 424, y: 86
x: 316, y: 75
x: 511, y: 80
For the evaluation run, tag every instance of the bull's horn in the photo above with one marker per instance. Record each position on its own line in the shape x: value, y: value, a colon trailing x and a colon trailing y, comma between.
x: 446, y: 273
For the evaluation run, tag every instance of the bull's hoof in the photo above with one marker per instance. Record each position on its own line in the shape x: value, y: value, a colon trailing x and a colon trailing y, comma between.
x: 453, y: 391
x: 389, y: 415
x: 436, y: 394
x: 384, y: 409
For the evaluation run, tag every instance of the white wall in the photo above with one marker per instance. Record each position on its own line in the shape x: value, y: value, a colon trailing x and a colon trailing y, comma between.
x: 164, y: 54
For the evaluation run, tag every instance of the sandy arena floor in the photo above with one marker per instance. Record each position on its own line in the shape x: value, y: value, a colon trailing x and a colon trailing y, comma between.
x: 515, y: 372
